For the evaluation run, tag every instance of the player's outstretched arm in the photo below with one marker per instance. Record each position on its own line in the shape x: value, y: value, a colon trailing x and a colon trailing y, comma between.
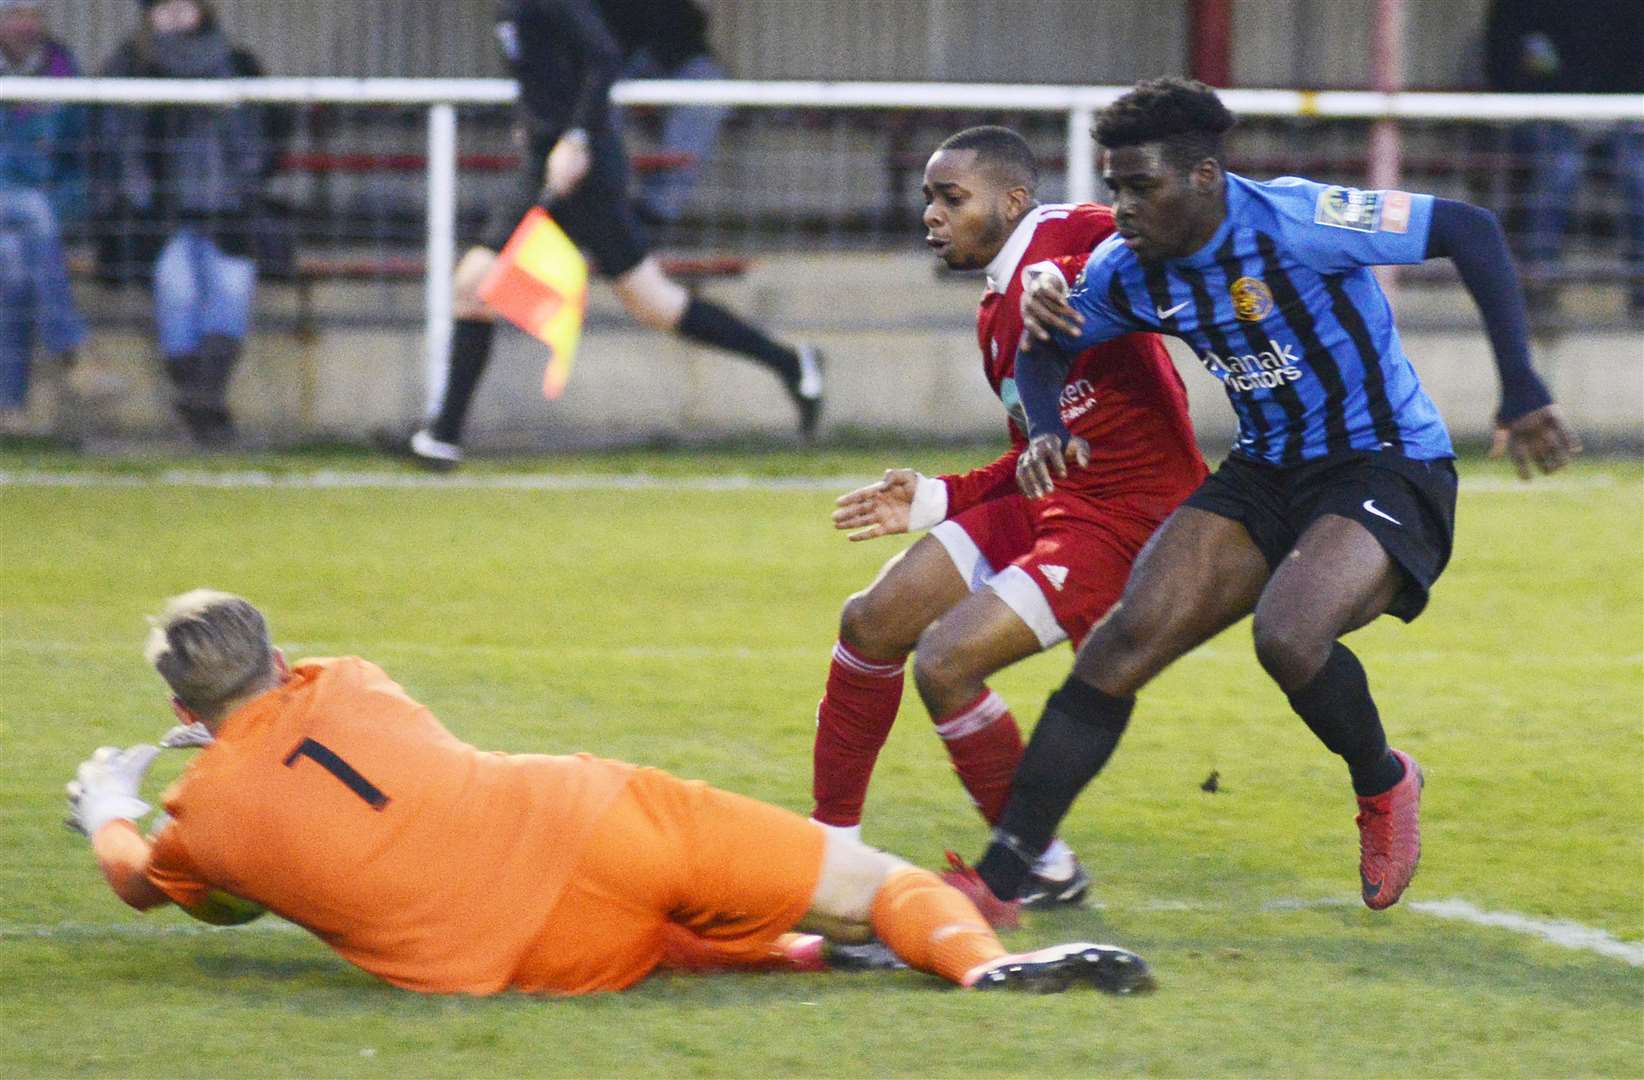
x: 104, y: 806
x: 903, y: 500
x: 1529, y: 426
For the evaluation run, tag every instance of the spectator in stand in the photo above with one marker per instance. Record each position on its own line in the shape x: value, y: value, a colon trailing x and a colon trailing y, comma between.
x: 1577, y: 47
x: 181, y: 193
x: 41, y: 189
x: 668, y: 39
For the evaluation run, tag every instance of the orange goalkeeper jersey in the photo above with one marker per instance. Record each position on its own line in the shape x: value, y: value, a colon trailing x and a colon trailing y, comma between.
x: 339, y: 803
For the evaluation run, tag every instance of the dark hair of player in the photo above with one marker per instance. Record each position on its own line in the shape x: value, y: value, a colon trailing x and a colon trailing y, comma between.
x: 1002, y: 149
x: 1184, y: 115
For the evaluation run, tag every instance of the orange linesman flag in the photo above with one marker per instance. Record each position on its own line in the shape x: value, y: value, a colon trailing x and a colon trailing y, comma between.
x: 540, y: 284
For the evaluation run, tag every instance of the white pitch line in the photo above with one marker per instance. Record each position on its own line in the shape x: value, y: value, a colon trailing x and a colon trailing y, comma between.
x: 1571, y: 935
x: 301, y: 649
x: 90, y: 931
x: 48, y: 647
x: 1560, y: 932
x: 327, y: 479
x: 331, y: 479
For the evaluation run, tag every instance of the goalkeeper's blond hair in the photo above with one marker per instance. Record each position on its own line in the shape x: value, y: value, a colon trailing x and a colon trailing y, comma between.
x: 211, y: 648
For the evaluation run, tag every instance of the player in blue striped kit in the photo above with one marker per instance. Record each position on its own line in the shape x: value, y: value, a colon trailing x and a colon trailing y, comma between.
x: 1337, y: 502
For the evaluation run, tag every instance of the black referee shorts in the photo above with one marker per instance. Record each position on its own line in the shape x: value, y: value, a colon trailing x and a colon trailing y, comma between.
x: 597, y: 216
x: 1409, y: 506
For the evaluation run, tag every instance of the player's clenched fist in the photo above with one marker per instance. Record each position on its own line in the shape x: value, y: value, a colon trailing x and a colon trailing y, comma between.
x: 1045, y: 309
x: 1047, y: 458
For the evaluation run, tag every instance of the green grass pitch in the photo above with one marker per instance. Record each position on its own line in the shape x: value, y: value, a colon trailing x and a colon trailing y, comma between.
x: 688, y: 626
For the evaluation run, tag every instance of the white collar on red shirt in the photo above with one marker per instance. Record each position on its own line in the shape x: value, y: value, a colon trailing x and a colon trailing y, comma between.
x: 1004, y: 264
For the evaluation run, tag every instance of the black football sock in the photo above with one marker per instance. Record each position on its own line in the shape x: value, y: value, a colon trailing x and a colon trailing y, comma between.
x: 1076, y: 735
x: 1336, y: 704
x: 470, y: 352
x: 707, y: 322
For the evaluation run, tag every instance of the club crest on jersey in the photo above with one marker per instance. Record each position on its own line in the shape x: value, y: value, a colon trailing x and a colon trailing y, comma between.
x: 1349, y: 208
x: 1252, y: 299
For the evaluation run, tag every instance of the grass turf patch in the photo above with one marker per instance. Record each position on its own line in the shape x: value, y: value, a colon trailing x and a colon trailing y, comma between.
x: 690, y: 629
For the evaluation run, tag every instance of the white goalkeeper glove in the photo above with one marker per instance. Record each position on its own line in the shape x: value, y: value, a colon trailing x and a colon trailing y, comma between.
x: 187, y: 736
x: 105, y: 788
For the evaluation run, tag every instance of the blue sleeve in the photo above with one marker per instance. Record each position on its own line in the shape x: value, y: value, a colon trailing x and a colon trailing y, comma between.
x: 1041, y: 371
x: 1335, y: 229
x: 1471, y: 237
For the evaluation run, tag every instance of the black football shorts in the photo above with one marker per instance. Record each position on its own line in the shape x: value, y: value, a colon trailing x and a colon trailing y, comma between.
x: 597, y: 216
x: 1409, y: 506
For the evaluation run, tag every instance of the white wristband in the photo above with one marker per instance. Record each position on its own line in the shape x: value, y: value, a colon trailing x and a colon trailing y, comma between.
x: 930, y: 504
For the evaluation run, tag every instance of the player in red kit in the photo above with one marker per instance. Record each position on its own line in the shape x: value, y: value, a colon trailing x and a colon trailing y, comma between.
x: 1001, y: 576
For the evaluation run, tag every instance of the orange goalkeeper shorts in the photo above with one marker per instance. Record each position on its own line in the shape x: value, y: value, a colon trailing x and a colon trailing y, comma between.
x: 670, y: 854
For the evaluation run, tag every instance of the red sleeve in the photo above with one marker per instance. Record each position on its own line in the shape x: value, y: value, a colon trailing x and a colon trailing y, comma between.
x: 1071, y: 266
x: 990, y: 481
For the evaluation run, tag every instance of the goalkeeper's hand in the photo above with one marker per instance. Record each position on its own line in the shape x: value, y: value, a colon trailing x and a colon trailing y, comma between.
x: 105, y: 788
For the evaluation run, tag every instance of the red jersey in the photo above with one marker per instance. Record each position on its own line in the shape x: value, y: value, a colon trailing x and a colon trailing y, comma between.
x: 1123, y: 397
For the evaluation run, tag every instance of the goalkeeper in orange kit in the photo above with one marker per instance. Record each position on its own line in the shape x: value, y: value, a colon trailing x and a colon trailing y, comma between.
x: 328, y: 796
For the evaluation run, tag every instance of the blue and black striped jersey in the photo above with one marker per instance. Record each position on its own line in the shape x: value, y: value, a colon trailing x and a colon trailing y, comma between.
x: 1281, y: 306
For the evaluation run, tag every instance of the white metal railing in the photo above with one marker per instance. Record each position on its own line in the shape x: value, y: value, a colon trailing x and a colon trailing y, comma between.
x: 1079, y: 103
x: 1341, y: 104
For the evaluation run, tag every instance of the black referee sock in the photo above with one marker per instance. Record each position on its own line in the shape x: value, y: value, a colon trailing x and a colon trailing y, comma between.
x: 470, y: 352
x: 1076, y: 735
x: 1336, y: 704
x: 707, y: 322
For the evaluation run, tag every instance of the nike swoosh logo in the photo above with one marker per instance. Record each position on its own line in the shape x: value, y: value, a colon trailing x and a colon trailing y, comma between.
x: 1165, y: 313
x: 1370, y: 505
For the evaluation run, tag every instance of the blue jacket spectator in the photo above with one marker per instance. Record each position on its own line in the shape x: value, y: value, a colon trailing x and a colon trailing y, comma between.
x: 180, y: 198
x: 42, y: 146
x: 41, y: 186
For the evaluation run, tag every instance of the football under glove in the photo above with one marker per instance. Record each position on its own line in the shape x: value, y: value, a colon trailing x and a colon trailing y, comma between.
x: 105, y: 788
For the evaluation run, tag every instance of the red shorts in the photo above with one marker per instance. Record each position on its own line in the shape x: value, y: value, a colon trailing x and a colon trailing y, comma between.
x: 1058, y: 563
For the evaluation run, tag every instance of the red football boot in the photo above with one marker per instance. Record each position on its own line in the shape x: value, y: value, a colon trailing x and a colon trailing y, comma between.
x: 1000, y: 914
x: 1390, y: 837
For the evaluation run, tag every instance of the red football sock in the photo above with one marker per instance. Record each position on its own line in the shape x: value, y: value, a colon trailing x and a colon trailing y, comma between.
x: 852, y: 723
x: 985, y: 745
